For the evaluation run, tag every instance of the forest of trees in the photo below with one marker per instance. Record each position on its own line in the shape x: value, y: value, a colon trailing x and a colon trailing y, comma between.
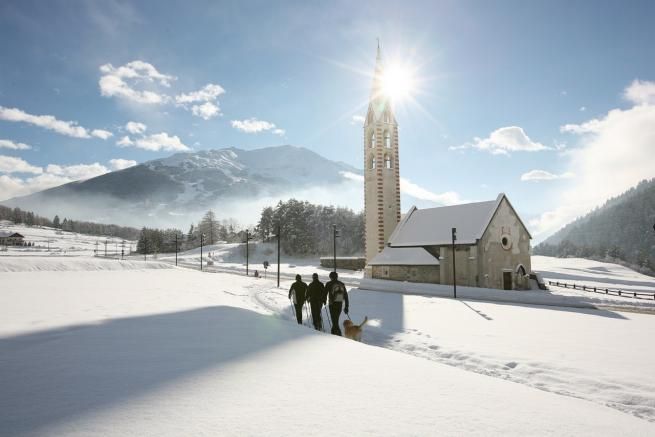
x: 306, y: 229
x: 619, y: 231
x: 28, y: 218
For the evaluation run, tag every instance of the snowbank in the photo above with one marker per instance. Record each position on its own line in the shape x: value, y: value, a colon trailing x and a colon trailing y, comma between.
x: 185, y: 353
x: 73, y: 263
x: 487, y: 294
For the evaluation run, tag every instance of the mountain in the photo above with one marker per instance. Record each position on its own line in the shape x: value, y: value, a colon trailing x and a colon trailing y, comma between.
x: 159, y: 190
x: 621, y: 229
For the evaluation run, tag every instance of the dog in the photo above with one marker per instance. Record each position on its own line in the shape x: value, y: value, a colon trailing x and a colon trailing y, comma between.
x: 352, y: 331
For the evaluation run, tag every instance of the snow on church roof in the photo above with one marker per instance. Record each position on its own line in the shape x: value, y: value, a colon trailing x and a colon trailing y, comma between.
x: 432, y: 226
x: 400, y: 256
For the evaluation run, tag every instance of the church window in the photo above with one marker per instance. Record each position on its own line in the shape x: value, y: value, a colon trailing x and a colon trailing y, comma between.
x: 387, y: 161
x: 387, y: 140
x: 372, y: 140
x: 372, y: 162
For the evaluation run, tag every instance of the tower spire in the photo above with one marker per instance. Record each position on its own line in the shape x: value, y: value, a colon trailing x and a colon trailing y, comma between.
x: 379, y: 56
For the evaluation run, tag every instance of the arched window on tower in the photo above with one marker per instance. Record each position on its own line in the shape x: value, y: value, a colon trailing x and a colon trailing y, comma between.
x: 387, y: 140
x: 387, y: 161
x: 371, y: 162
x: 372, y: 140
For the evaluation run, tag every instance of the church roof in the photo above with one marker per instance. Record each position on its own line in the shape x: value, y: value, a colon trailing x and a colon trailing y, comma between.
x: 432, y: 226
x: 400, y: 256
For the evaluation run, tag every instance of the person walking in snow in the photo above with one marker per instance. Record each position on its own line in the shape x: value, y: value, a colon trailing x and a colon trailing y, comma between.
x: 317, y: 296
x: 297, y: 294
x: 337, y: 295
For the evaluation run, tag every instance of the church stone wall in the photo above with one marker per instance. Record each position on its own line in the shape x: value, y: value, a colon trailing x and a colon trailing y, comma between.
x: 504, y: 247
x: 466, y: 265
x: 424, y: 274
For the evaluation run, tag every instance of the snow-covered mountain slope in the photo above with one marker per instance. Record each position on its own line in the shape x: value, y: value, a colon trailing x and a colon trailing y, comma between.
x: 179, y: 352
x: 188, y: 181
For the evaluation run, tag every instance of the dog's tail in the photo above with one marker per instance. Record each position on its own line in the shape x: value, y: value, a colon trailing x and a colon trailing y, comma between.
x: 364, y: 322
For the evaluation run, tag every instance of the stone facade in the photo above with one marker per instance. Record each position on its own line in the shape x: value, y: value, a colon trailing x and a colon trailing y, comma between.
x: 501, y: 252
x: 381, y: 169
x: 348, y: 263
x: 426, y: 274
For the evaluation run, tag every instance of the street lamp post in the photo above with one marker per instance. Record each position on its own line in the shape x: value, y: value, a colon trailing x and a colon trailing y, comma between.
x: 176, y: 248
x: 278, y: 255
x: 335, y: 234
x: 202, y: 237
x: 454, y: 234
x: 247, y: 238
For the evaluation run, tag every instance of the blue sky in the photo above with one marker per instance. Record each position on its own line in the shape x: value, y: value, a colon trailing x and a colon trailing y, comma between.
x: 567, y: 87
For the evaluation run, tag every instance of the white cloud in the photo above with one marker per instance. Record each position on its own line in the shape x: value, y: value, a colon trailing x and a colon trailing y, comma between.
x: 411, y: 189
x: 125, y: 142
x: 68, y: 128
x: 206, y: 111
x: 640, y: 92
x: 11, y: 164
x: 156, y: 142
x: 357, y: 119
x: 543, y: 175
x: 614, y: 153
x: 8, y: 144
x: 209, y: 93
x: 121, y: 164
x: 253, y: 126
x: 102, y: 134
x: 78, y: 171
x: 120, y: 81
x: 583, y: 108
x: 134, y: 127
x: 503, y: 141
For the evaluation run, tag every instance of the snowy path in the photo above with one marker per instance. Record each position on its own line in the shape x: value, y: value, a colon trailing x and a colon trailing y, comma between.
x: 597, y: 355
x: 178, y: 352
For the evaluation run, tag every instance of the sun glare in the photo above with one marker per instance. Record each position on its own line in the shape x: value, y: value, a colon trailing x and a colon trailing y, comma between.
x: 398, y: 82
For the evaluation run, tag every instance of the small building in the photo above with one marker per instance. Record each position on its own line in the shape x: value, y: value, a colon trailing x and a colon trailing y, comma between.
x: 492, y: 247
x: 8, y: 238
x: 412, y: 264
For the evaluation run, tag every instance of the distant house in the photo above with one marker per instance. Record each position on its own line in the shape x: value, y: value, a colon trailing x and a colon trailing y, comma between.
x: 11, y: 238
x: 492, y: 248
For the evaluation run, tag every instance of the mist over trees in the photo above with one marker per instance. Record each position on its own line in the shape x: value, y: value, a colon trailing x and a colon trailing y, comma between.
x: 306, y: 229
x: 28, y: 218
x: 619, y: 231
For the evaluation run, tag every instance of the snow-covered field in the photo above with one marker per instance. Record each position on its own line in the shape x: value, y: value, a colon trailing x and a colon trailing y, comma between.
x: 87, y: 350
x: 50, y: 241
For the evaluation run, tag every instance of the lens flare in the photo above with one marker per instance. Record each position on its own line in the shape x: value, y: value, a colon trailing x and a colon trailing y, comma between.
x: 398, y: 82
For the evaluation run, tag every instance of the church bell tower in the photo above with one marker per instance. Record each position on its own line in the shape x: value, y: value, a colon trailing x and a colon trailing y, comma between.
x: 381, y: 173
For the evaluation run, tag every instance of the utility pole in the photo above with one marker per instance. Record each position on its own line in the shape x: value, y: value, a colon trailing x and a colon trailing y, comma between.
x: 278, y: 255
x: 454, y: 233
x: 202, y: 236
x: 145, y: 247
x: 123, y: 250
x: 105, y: 248
x: 247, y: 238
x: 335, y: 234
x: 176, y: 248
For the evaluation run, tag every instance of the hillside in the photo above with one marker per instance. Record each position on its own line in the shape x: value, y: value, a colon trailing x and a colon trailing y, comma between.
x: 621, y: 229
x: 158, y: 191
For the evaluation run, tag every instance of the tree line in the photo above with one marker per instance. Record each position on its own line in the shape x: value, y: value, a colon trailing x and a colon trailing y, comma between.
x: 29, y: 218
x: 620, y: 231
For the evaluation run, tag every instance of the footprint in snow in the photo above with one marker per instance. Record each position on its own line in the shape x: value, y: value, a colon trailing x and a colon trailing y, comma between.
x: 434, y: 347
x: 511, y: 365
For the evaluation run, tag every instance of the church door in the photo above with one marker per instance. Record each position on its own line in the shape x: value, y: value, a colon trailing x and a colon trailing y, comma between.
x: 507, y: 280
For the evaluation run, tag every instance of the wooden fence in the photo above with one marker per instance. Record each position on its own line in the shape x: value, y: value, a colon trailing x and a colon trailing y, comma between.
x: 609, y: 291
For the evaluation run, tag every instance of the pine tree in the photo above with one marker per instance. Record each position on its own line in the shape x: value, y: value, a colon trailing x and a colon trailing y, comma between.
x: 55, y: 222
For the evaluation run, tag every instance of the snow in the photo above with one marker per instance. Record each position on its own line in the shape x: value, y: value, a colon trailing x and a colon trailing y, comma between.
x: 397, y: 256
x: 173, y: 351
x: 432, y: 226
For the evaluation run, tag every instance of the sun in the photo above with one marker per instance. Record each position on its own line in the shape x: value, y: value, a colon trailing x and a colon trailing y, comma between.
x: 398, y: 82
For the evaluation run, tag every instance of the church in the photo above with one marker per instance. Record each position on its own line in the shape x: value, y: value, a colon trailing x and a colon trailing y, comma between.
x: 491, y: 244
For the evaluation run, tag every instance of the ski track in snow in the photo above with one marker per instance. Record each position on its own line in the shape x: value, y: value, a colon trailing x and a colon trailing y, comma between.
x: 634, y: 399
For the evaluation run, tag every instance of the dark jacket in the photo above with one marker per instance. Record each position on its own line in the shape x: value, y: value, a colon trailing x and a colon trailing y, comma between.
x: 333, y: 288
x: 299, y: 288
x: 316, y: 292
